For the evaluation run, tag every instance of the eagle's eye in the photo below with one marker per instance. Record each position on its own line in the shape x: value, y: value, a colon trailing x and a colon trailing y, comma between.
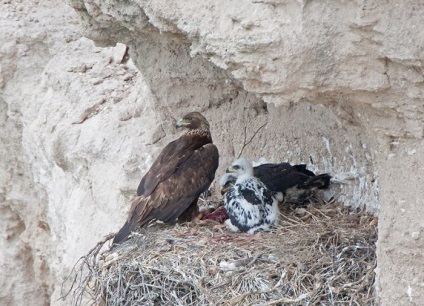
x: 189, y: 118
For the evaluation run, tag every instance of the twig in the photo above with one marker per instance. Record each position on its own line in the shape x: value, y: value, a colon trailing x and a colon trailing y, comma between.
x: 77, y: 271
x: 251, y: 138
x: 329, y: 260
x: 286, y: 300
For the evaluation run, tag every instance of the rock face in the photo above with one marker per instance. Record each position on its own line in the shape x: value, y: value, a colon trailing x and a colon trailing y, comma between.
x: 335, y: 84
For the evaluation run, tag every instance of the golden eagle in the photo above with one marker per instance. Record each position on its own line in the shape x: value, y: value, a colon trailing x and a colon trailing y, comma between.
x: 250, y: 205
x: 183, y: 170
x: 296, y: 182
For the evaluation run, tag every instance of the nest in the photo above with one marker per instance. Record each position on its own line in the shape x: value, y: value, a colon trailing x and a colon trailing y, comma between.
x: 318, y: 255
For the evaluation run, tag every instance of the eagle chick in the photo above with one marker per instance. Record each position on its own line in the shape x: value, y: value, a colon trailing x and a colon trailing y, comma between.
x: 250, y: 205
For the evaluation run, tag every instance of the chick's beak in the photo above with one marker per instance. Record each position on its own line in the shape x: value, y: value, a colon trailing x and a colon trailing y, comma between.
x: 224, y: 189
x: 230, y: 170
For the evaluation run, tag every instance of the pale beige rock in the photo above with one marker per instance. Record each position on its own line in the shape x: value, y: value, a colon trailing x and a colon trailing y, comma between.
x: 66, y: 111
x: 347, y: 80
x: 339, y: 85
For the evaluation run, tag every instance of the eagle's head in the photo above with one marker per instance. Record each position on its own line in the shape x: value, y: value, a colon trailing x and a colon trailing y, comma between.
x: 241, y: 167
x: 226, y: 182
x: 193, y: 121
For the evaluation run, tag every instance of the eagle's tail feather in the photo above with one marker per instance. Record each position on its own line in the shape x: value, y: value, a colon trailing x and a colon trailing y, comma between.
x: 124, y: 232
x: 302, y: 169
x: 321, y: 181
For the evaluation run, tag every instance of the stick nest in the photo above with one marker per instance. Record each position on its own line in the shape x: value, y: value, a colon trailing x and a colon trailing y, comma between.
x: 323, y: 254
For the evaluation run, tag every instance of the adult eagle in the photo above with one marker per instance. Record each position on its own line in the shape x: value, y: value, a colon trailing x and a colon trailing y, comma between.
x: 183, y: 170
x: 250, y: 205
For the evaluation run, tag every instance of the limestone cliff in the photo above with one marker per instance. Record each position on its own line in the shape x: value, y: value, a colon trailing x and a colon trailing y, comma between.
x: 339, y: 85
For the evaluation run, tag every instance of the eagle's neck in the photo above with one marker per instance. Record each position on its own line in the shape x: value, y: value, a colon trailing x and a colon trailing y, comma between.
x: 200, y: 133
x: 244, y: 177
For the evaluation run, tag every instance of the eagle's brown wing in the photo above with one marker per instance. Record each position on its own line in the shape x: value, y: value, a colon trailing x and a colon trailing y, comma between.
x: 174, y: 194
x: 175, y: 153
x: 139, y: 206
x: 192, y: 177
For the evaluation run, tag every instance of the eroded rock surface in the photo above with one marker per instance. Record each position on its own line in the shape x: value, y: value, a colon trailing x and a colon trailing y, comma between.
x: 337, y: 85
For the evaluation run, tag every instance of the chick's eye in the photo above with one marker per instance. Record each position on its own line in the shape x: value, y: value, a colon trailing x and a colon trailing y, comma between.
x: 236, y: 167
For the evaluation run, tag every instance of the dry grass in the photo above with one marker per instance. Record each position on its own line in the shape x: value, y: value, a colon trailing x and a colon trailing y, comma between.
x: 321, y: 255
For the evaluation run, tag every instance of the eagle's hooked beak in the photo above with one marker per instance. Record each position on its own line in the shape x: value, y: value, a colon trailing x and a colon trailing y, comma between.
x: 227, y: 182
x: 225, y: 188
x: 230, y: 170
x: 182, y: 122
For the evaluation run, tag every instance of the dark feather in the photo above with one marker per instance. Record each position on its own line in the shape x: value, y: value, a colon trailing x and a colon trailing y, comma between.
x: 174, y: 154
x: 279, y: 177
x: 183, y: 170
x: 124, y: 232
x: 302, y: 168
x: 250, y: 196
x: 321, y: 181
